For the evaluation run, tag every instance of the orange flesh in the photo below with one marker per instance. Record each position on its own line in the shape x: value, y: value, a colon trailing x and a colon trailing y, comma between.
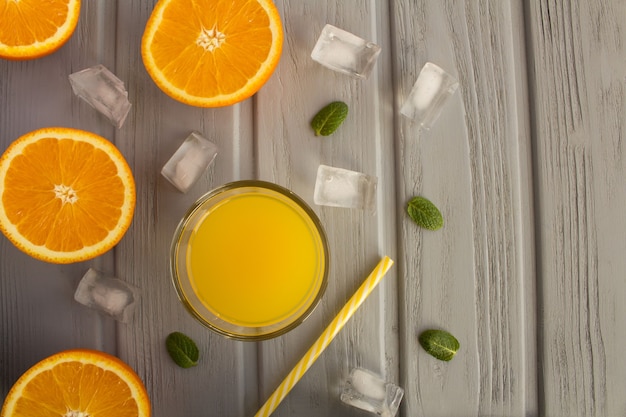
x: 23, y: 22
x: 247, y: 40
x: 78, y: 383
x: 31, y: 204
x: 212, y: 52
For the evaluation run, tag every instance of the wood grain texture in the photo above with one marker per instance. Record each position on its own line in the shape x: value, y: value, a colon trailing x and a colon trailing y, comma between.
x: 473, y: 278
x: 38, y: 314
x: 289, y: 153
x: 526, y: 163
x: 578, y: 89
x: 224, y: 380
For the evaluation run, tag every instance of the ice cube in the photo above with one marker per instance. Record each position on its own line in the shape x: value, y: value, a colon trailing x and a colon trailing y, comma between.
x: 345, y: 52
x: 429, y: 94
x: 368, y: 384
x: 107, y: 294
x: 189, y: 161
x: 369, y: 392
x: 338, y: 187
x: 103, y: 91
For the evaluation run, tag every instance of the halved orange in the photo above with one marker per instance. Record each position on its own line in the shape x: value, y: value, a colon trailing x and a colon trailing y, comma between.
x: 34, y: 28
x: 211, y: 53
x: 78, y: 383
x: 67, y: 195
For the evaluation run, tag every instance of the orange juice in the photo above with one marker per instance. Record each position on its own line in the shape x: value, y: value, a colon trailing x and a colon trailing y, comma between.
x: 250, y: 260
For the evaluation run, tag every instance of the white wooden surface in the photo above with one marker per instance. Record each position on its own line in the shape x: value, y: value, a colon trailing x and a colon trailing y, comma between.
x: 526, y: 163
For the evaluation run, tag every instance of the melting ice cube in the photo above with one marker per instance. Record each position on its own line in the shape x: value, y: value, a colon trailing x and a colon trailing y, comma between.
x: 103, y: 91
x: 107, y: 294
x: 189, y: 161
x: 429, y: 95
x: 369, y: 392
x: 344, y: 52
x: 340, y: 187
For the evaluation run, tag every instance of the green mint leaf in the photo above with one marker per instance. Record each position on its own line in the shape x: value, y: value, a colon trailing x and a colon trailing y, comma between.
x: 327, y: 120
x: 425, y: 213
x: 439, y: 343
x: 182, y: 349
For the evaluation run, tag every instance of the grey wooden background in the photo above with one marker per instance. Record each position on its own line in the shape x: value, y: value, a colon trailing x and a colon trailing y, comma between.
x: 526, y: 163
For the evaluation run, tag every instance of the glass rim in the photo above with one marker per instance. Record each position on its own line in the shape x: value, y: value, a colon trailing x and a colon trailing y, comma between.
x: 234, y: 331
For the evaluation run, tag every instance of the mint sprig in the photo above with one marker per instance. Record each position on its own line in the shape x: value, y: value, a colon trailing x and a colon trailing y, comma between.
x: 327, y: 120
x: 439, y: 343
x: 182, y: 349
x: 425, y: 213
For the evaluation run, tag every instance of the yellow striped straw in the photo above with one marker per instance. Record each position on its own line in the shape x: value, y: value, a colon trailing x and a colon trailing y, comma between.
x: 324, y: 340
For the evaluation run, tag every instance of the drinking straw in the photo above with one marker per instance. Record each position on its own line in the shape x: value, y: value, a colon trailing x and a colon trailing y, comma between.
x: 324, y: 340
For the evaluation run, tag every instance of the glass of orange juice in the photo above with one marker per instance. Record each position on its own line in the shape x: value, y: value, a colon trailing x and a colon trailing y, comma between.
x: 250, y: 260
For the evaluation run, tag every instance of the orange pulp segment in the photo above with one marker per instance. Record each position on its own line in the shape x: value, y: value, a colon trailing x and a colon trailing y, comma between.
x: 34, y: 28
x: 211, y: 53
x: 77, y: 383
x: 67, y: 195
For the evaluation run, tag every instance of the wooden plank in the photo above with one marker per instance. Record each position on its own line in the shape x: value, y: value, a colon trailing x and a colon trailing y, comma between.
x: 474, y: 277
x: 224, y: 381
x: 579, y: 100
x: 38, y: 314
x: 289, y: 154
